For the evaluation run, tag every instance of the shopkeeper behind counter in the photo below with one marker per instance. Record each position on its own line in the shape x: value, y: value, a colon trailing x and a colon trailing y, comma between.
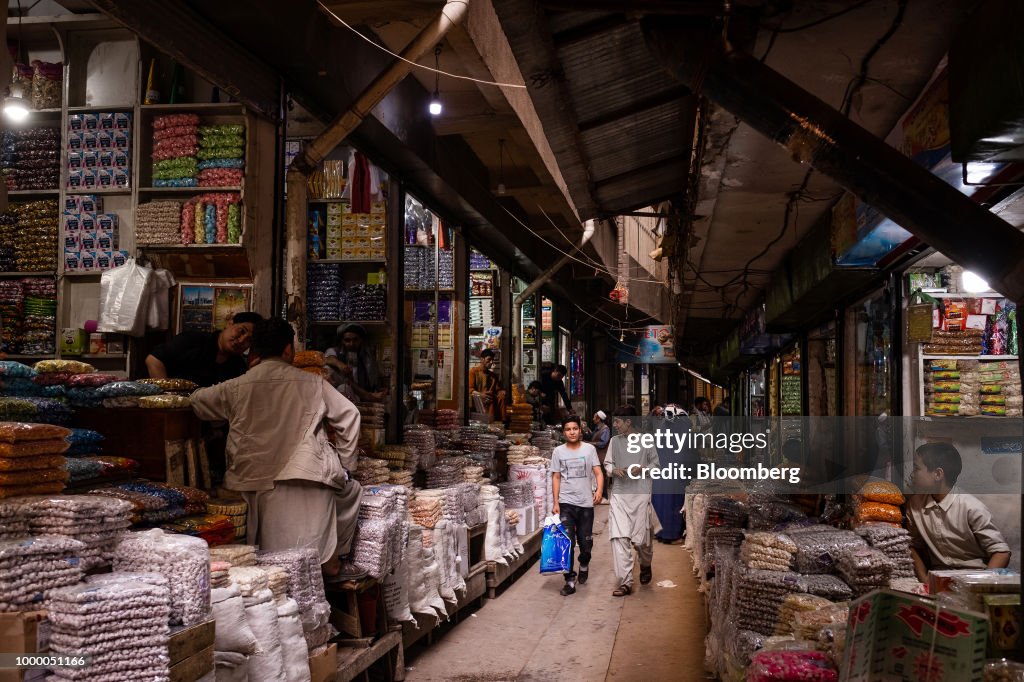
x: 353, y: 367
x: 207, y: 358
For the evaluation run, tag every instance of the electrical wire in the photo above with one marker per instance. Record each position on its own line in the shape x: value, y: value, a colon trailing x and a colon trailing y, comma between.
x: 341, y: 21
x: 822, y: 20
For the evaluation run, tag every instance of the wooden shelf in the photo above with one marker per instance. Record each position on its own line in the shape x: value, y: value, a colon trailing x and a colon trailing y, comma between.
x: 334, y: 323
x: 198, y: 108
x: 187, y: 247
x: 342, y: 261
x: 97, y: 109
x: 94, y: 356
x: 123, y: 191
x: 48, y: 273
x: 962, y: 295
x: 327, y: 201
x: 186, y: 190
x: 82, y: 273
x: 20, y: 356
x: 32, y: 192
x: 969, y: 357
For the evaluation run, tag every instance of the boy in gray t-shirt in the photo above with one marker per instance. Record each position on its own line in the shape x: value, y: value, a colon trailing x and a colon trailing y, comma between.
x: 574, y: 470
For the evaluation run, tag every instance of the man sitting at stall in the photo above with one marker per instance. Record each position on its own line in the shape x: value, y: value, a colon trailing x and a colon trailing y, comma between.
x: 207, y: 358
x: 279, y: 456
x: 484, y: 382
x: 950, y: 529
x: 352, y: 365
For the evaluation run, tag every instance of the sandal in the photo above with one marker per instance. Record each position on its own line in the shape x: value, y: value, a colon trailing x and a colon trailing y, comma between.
x: 621, y: 591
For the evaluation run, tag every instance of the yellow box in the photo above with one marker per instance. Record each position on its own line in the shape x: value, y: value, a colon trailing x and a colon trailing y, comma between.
x: 362, y: 253
x: 377, y: 219
x: 346, y: 208
x: 348, y: 230
x: 334, y: 220
x: 334, y: 254
x: 378, y: 207
x: 348, y: 219
x: 348, y: 253
x: 334, y: 231
x: 377, y: 230
x: 334, y: 209
x: 378, y: 254
x: 334, y: 244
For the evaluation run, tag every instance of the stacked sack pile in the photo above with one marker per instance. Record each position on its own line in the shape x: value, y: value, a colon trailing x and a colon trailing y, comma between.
x: 236, y: 510
x: 35, y: 249
x: 306, y: 587
x: 500, y: 542
x: 175, y: 144
x: 894, y: 542
x: 221, y: 154
x: 865, y: 569
x: 371, y: 426
x: 31, y: 459
x: 952, y: 387
x: 31, y: 158
x: 86, y: 463
x: 401, y: 461
x: 371, y: 471
x: 878, y: 501
x: 158, y: 222
x: 379, y: 543
x: 31, y: 568
x: 97, y: 522
x: 119, y: 620
x: 311, y: 361
x: 1000, y: 389
x: 214, y: 218
x: 363, y: 302
x: 323, y: 291
x: 421, y: 438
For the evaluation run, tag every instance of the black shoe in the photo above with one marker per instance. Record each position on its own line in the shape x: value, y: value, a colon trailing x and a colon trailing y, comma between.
x: 645, y: 575
x: 567, y: 589
x: 581, y: 578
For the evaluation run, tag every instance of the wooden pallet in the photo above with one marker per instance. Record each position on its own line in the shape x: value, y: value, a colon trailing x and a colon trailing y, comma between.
x: 355, y: 661
x: 498, y: 574
x: 344, y: 599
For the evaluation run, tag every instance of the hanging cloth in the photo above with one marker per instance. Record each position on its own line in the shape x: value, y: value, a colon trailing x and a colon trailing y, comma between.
x: 362, y: 184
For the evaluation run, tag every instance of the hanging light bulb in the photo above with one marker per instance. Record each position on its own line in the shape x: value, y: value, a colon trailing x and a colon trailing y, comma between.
x: 435, y: 107
x: 501, y: 167
x: 973, y: 283
x: 15, y: 107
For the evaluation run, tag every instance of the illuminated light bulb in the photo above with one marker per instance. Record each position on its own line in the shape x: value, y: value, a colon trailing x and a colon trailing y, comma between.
x: 973, y: 283
x: 15, y: 109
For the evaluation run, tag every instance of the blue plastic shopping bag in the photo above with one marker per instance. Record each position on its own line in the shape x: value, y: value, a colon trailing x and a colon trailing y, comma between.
x: 555, y: 547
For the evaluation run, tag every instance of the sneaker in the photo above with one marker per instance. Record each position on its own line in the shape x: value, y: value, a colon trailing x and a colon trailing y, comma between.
x: 646, y: 575
x: 583, y: 575
x: 567, y: 589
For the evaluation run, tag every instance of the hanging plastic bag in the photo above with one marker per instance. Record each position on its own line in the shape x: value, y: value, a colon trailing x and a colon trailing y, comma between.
x: 158, y: 315
x: 555, y: 547
x: 124, y: 299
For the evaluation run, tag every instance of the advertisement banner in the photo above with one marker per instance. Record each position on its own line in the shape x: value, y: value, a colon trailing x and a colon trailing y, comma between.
x: 654, y: 346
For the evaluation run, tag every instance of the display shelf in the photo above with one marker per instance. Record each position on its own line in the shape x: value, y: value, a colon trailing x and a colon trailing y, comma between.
x: 947, y: 294
x: 329, y: 201
x: 22, y: 356
x: 33, y: 192
x: 186, y: 190
x: 198, y: 108
x: 343, y: 261
x: 334, y: 323
x: 45, y: 273
x: 95, y: 356
x: 108, y: 191
x: 968, y: 357
x: 187, y: 247
x: 109, y: 107
x: 82, y: 273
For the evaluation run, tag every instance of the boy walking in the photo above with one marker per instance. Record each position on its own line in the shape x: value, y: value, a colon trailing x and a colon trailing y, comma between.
x: 575, y: 470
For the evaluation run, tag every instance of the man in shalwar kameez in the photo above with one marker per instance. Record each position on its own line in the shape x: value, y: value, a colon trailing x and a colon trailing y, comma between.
x: 632, y: 522
x: 291, y: 444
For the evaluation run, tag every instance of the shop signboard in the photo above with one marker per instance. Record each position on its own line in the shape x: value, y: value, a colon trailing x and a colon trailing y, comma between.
x: 654, y: 345
x: 861, y: 234
x: 210, y: 306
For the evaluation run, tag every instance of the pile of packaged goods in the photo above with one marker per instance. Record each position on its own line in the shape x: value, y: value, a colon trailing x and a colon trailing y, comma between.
x: 214, y: 218
x: 31, y: 459
x: 96, y: 522
x: 35, y: 245
x: 236, y: 510
x: 446, y: 268
x: 158, y: 222
x: 99, y: 150
x: 951, y: 387
x: 778, y: 598
x: 175, y: 145
x: 31, y: 158
x: 1000, y: 389
x: 379, y: 544
x: 221, y: 153
x: 421, y: 438
x: 323, y: 291
x: 363, y: 302
x: 28, y: 312
x: 312, y: 362
x: 420, y: 269
x: 90, y: 237
x: 33, y: 568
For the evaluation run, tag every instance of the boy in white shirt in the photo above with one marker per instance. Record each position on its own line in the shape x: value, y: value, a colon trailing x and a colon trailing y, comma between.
x: 575, y: 471
x: 952, y: 530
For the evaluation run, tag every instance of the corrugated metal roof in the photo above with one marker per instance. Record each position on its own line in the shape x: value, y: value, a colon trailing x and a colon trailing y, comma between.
x: 638, y: 140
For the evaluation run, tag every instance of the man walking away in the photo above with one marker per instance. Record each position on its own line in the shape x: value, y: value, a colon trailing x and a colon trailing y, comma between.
x: 575, y: 470
x: 631, y: 518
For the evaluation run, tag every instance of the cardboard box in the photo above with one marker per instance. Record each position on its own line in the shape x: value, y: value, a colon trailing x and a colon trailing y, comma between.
x: 87, y: 239
x: 71, y: 241
x: 323, y: 664
x: 87, y: 259
x: 25, y: 633
x: 73, y: 341
x: 72, y: 261
x: 378, y: 207
x: 890, y: 636
x: 106, y: 239
x: 115, y: 343
x: 939, y: 581
x: 193, y: 667
x: 186, y: 642
x: 104, y: 260
x: 97, y: 344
